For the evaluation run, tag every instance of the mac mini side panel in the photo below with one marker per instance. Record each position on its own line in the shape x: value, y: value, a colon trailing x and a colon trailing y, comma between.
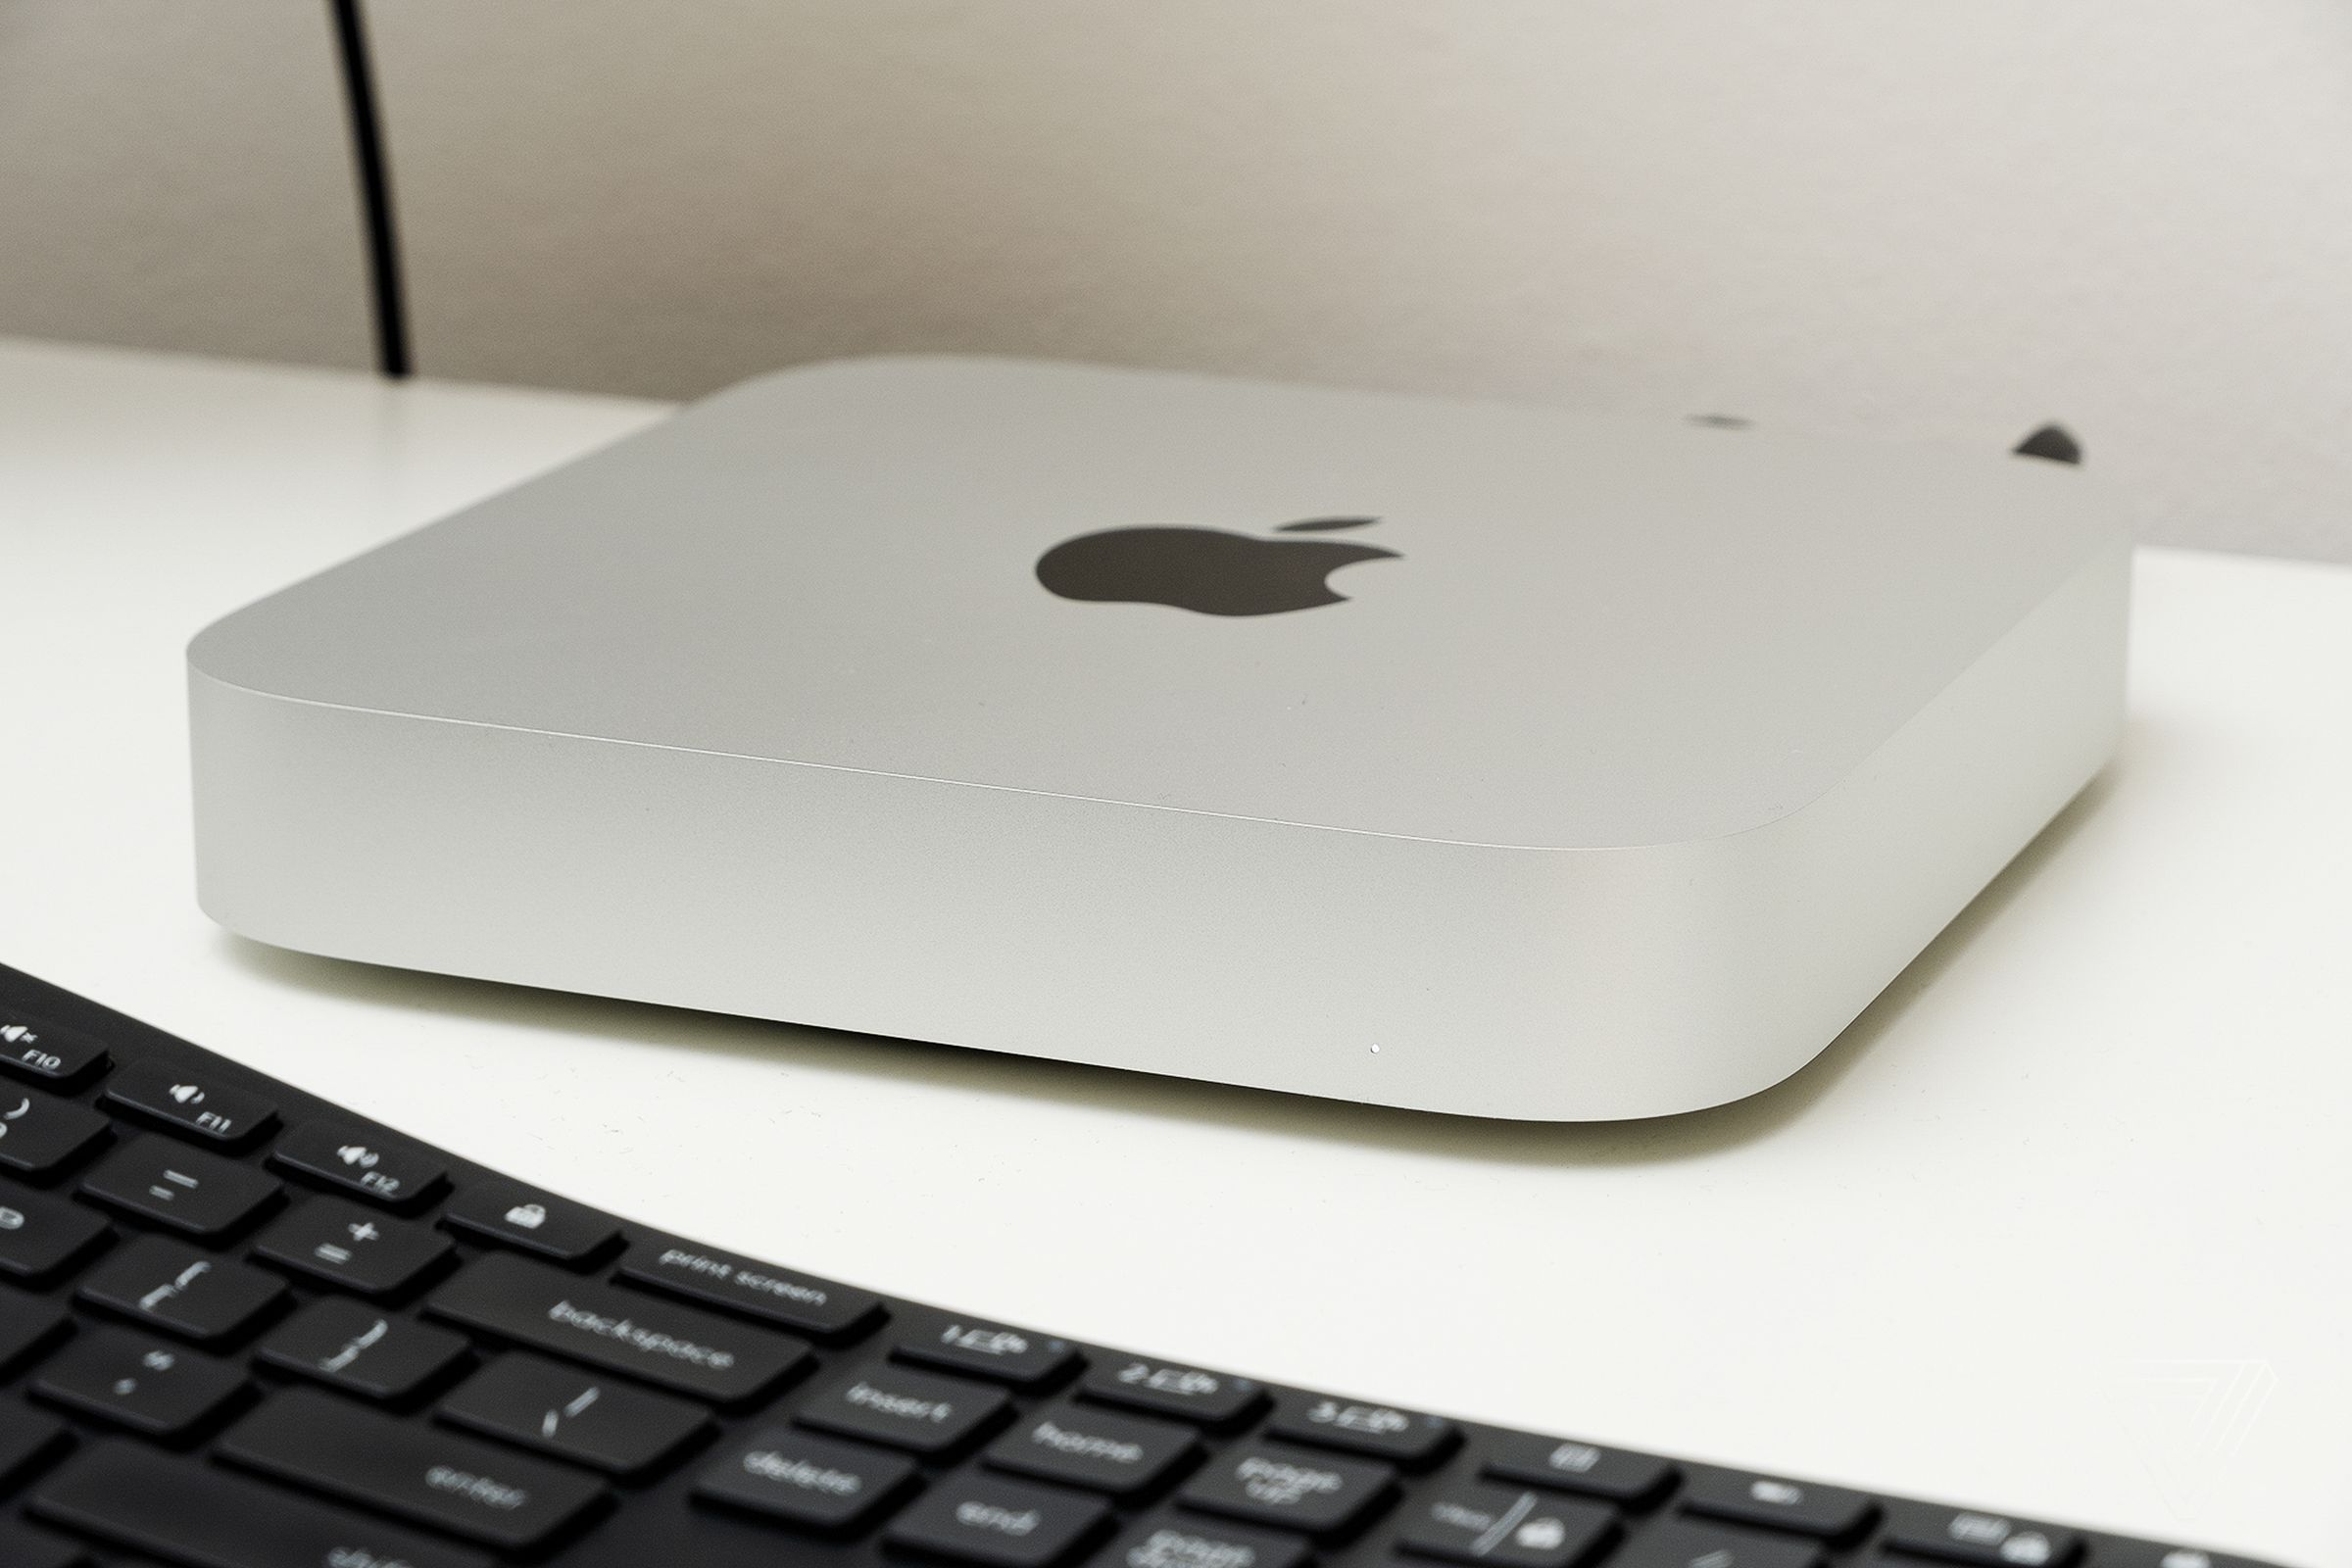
x: 1458, y: 757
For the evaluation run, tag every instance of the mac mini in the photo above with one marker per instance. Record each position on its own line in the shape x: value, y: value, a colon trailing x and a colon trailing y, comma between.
x: 1464, y: 756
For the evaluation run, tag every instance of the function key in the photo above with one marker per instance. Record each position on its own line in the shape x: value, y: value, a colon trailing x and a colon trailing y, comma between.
x: 1094, y: 1449
x: 1161, y: 1387
x: 1518, y: 1529
x: 1965, y: 1535
x: 136, y: 1382
x: 755, y: 1288
x: 1167, y: 1539
x: 998, y: 1523
x: 991, y: 1351
x: 1828, y: 1512
x: 357, y: 1248
x: 35, y: 1049
x: 915, y: 1412
x: 1682, y: 1543
x: 159, y: 1283
x: 40, y: 1135
x: 810, y: 1483
x: 185, y: 1189
x: 365, y: 1164
x: 513, y: 1215
x: 41, y: 1236
x: 191, y: 1101
x: 375, y: 1355
x: 1581, y: 1467
x: 1377, y: 1430
x: 1290, y: 1489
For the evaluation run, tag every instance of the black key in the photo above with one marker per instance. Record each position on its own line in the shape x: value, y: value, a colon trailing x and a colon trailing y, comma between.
x: 187, y: 1098
x: 1291, y: 1489
x: 2153, y: 1555
x: 351, y: 1347
x: 1828, y: 1512
x: 574, y: 1415
x: 1093, y: 1449
x: 1163, y: 1388
x: 513, y: 1215
x: 695, y: 1352
x: 27, y: 1326
x: 1403, y: 1438
x: 979, y: 1518
x: 990, y: 1351
x: 36, y: 1049
x: 902, y: 1409
x: 753, y: 1287
x: 370, y: 1165
x: 137, y: 1381
x: 1968, y: 1534
x: 1581, y: 1467
x: 1683, y: 1544
x: 491, y: 1496
x: 188, y: 1514
x: 812, y: 1483
x: 40, y: 1135
x: 342, y: 1244
x: 162, y: 1284
x: 1507, y: 1525
x: 1168, y: 1540
x: 185, y: 1189
x: 27, y: 1440
x: 22, y: 1547
x: 41, y: 1236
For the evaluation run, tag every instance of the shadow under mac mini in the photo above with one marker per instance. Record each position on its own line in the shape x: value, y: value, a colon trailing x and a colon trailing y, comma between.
x: 979, y: 1072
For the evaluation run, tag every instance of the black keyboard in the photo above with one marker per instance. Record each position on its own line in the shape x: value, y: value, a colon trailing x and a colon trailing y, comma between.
x: 243, y: 1328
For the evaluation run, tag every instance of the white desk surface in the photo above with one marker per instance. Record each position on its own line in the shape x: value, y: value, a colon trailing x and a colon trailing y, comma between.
x: 2062, y: 1226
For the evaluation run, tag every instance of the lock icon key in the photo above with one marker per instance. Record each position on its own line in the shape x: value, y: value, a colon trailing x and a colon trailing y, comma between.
x: 530, y: 1216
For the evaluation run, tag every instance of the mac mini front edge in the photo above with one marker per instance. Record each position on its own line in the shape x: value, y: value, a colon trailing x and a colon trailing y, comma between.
x: 1469, y: 758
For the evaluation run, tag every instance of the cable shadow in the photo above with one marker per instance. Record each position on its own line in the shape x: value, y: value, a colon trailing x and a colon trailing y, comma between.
x: 1692, y: 1135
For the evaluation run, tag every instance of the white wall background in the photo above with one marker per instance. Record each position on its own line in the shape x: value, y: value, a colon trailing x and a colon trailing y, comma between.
x: 1941, y: 220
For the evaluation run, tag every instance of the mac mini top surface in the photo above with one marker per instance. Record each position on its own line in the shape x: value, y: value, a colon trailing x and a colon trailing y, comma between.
x: 1464, y: 756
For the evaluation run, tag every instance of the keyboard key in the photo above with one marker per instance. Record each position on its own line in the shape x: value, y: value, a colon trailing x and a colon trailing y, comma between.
x: 2153, y: 1555
x: 1506, y: 1525
x: 40, y: 1135
x: 352, y: 1347
x: 488, y: 1495
x: 185, y: 1189
x: 902, y: 1409
x: 22, y: 1547
x: 41, y: 1236
x: 28, y: 1439
x: 991, y: 1351
x: 1290, y: 1488
x: 574, y: 1415
x: 679, y: 1347
x: 336, y: 1241
x: 1580, y: 1467
x: 187, y: 1512
x: 1163, y: 1388
x: 1684, y: 1543
x: 1168, y: 1540
x: 191, y: 1101
x: 1075, y: 1446
x: 513, y: 1215
x: 1828, y: 1512
x: 365, y: 1164
x: 34, y: 1048
x: 138, y: 1382
x: 977, y: 1518
x: 1971, y: 1536
x: 162, y: 1284
x: 807, y: 1481
x: 29, y: 1325
x: 755, y: 1288
x: 1403, y: 1438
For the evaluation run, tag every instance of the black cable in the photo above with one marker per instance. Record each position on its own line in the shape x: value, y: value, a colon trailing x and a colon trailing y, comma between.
x: 375, y: 189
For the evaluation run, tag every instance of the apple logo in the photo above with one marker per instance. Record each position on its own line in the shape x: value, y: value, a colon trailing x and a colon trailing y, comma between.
x: 1206, y: 569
